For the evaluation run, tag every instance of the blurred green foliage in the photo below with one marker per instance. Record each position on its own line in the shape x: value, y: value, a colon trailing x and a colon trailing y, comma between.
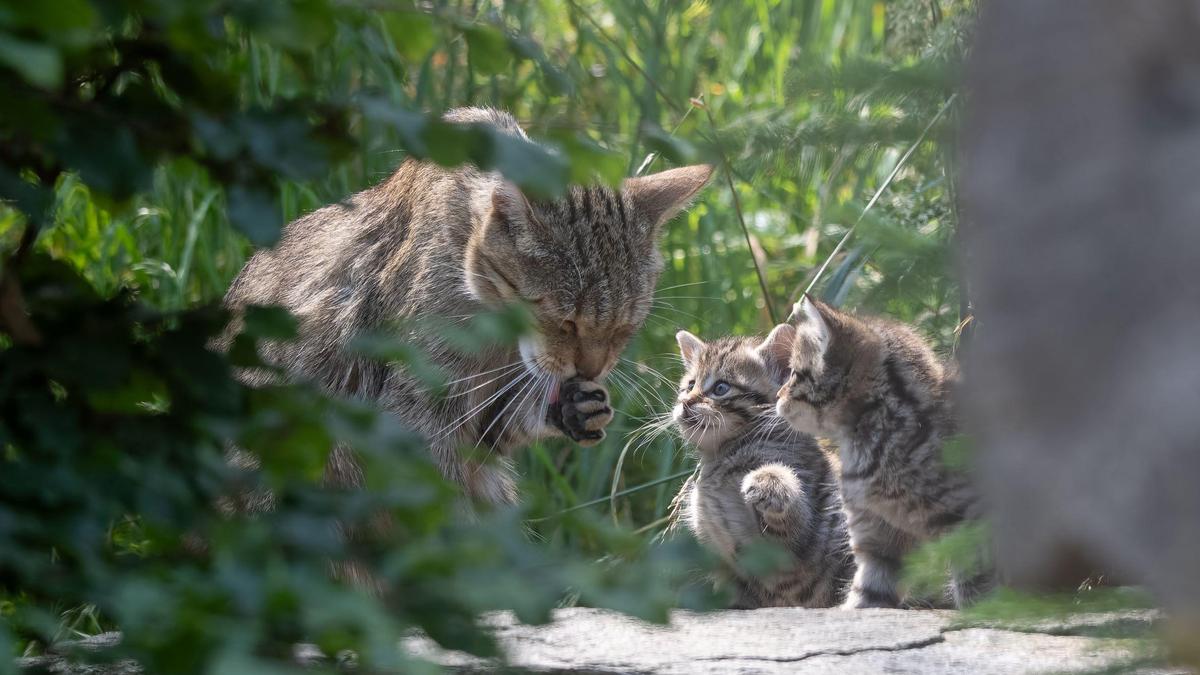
x: 147, y: 145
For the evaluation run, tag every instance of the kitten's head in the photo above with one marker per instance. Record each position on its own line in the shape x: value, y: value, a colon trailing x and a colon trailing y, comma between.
x: 823, y: 347
x: 728, y: 385
x: 586, y: 263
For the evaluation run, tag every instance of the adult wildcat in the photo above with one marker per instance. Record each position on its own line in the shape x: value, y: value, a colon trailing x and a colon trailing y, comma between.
x: 430, y: 242
x: 757, y: 479
x: 877, y: 388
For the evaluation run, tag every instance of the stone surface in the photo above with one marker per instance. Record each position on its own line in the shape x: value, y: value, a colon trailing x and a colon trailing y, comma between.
x: 769, y: 641
x: 796, y: 641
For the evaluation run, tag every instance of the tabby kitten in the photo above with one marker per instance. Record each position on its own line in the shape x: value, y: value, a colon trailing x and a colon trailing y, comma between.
x: 881, y: 393
x: 445, y: 244
x: 757, y: 479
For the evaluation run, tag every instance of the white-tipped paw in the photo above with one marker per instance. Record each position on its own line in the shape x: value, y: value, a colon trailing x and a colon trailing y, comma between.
x: 770, y: 490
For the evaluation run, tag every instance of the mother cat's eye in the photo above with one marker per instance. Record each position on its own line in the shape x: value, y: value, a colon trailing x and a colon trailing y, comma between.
x: 721, y: 389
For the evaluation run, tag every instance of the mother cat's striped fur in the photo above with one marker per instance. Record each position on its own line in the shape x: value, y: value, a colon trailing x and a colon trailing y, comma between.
x: 878, y: 390
x: 757, y: 479
x: 436, y: 243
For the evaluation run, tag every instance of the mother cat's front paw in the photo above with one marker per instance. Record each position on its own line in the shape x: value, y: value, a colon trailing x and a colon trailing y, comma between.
x: 582, y: 411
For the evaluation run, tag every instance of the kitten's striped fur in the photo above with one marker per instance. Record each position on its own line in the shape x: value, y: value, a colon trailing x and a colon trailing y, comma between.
x: 758, y: 479
x: 880, y: 392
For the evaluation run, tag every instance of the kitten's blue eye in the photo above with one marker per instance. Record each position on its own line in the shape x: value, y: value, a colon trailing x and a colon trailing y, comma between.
x: 720, y: 389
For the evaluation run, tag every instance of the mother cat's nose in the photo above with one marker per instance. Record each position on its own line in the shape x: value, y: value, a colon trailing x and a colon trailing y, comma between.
x: 590, y: 364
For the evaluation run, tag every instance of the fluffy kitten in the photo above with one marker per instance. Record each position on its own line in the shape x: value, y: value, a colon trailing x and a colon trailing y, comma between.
x: 757, y: 479
x: 436, y: 243
x: 880, y: 392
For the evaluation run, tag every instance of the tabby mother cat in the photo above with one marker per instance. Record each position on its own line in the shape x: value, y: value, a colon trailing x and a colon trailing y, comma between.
x: 436, y: 243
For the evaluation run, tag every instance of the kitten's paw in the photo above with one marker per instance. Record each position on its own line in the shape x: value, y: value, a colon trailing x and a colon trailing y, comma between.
x: 770, y: 490
x: 582, y: 411
x: 867, y: 599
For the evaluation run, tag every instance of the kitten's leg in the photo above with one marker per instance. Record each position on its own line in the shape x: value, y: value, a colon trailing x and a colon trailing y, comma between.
x: 582, y: 412
x: 774, y: 493
x: 879, y: 550
x: 967, y: 587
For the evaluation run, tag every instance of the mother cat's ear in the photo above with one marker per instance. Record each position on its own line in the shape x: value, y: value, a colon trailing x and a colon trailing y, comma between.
x: 658, y: 197
x: 492, y: 263
x: 690, y: 347
x: 512, y: 215
x: 776, y: 349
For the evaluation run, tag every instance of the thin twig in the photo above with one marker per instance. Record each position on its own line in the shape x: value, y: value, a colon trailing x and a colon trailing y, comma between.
x: 674, y: 105
x: 878, y: 193
x: 654, y: 155
x: 622, y: 493
x: 737, y: 206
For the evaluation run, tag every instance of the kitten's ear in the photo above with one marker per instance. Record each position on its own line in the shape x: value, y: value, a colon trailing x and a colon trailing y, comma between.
x: 658, y: 197
x: 776, y: 348
x: 809, y: 318
x: 689, y: 347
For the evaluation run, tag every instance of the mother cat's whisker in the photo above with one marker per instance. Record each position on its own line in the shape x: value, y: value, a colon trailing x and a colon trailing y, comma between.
x: 481, y: 385
x: 649, y: 385
x: 666, y: 307
x: 627, y: 382
x: 640, y: 368
x: 519, y: 396
x: 473, y: 411
x: 690, y: 283
x: 532, y: 387
x: 486, y: 372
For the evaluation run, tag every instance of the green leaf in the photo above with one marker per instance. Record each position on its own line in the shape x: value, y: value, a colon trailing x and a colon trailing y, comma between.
x: 270, y: 323
x: 143, y: 393
x: 107, y: 158
x: 412, y: 34
x: 589, y: 161
x: 255, y: 212
x: 490, y: 53
x: 539, y: 172
x: 390, y: 349
x: 53, y: 18
x: 39, y: 64
x: 671, y: 147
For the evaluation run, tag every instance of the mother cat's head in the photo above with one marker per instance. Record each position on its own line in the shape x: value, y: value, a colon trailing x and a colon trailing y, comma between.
x: 586, y: 263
